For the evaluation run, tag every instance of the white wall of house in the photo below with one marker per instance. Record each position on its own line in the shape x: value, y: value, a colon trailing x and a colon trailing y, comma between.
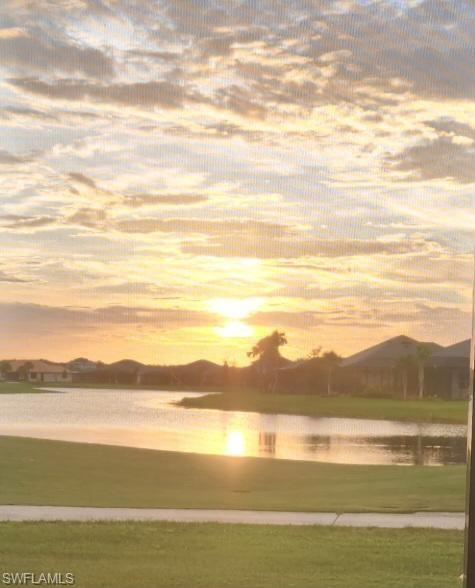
x: 50, y: 377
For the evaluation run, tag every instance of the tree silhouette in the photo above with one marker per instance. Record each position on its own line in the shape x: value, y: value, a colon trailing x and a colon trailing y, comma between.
x: 316, y: 352
x: 330, y: 360
x: 25, y: 369
x: 5, y: 367
x: 266, y: 352
x: 267, y: 349
x: 404, y: 364
x: 423, y: 354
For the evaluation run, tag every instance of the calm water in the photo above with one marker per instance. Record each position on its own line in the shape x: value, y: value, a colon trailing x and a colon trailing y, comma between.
x: 150, y: 420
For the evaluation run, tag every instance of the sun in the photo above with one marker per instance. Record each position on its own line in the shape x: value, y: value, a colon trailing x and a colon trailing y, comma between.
x: 235, y: 308
x: 235, y: 329
x: 235, y: 444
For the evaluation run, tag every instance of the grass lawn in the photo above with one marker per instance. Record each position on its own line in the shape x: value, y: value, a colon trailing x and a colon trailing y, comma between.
x: 35, y: 471
x: 427, y: 410
x: 173, y: 555
x: 25, y: 387
x: 17, y: 388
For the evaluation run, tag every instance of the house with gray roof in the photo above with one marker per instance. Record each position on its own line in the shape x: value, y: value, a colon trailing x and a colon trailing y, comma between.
x: 449, y: 370
x: 390, y: 367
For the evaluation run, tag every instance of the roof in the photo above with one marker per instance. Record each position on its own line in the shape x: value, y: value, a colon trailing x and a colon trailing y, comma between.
x: 299, y: 364
x: 38, y: 365
x: 460, y: 349
x: 457, y: 355
x: 386, y: 353
x: 126, y: 365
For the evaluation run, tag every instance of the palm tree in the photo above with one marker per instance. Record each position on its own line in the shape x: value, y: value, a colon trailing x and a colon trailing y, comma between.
x: 24, y: 370
x: 267, y: 353
x: 331, y: 360
x: 5, y: 368
x: 423, y: 353
x: 268, y: 348
x: 404, y: 364
x: 316, y: 352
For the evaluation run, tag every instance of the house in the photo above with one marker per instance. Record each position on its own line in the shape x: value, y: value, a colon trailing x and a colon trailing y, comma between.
x: 81, y: 364
x: 123, y: 372
x: 384, y: 368
x: 36, y: 370
x: 449, y: 371
x: 306, y: 376
x: 195, y: 374
x: 389, y: 366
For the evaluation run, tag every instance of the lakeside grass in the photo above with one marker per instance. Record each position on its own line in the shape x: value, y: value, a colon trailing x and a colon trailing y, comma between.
x: 8, y: 387
x: 18, y: 388
x: 177, y: 555
x: 41, y: 472
x: 426, y: 410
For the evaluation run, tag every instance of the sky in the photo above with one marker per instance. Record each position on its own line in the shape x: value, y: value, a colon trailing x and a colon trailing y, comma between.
x: 180, y: 177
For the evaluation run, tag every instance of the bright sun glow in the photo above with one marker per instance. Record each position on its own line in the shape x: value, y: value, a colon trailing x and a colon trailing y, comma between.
x: 234, y: 329
x: 235, y: 308
x: 235, y: 444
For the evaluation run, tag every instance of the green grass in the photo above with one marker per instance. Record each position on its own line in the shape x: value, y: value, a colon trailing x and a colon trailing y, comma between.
x: 427, y: 410
x: 35, y: 471
x: 172, y: 555
x: 25, y: 387
x: 17, y: 388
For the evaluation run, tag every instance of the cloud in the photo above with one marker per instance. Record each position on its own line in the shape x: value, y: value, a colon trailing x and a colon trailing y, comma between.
x: 88, y: 217
x: 450, y: 126
x: 162, y: 94
x: 138, y: 200
x: 7, y: 158
x: 4, y: 277
x: 286, y: 319
x: 34, y: 52
x: 36, y: 316
x: 275, y: 248
x: 14, y: 221
x: 442, y: 158
x: 260, y: 229
x: 259, y: 120
x: 160, y: 56
x: 82, y: 179
x: 139, y: 288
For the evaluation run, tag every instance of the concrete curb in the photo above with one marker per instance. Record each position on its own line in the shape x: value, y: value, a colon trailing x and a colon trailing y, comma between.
x: 432, y: 520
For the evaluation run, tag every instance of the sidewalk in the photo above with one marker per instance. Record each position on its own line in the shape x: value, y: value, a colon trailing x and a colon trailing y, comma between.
x: 433, y: 520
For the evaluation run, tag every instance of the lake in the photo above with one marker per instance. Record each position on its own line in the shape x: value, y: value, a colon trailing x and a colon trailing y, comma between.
x: 150, y: 419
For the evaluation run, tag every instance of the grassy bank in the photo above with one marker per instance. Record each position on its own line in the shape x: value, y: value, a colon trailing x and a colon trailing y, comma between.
x: 39, y: 472
x: 171, y: 555
x: 17, y: 388
x: 427, y: 410
x: 24, y: 387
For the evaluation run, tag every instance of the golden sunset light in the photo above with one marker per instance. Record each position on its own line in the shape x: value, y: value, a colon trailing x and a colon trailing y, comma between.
x: 234, y: 329
x: 235, y: 308
x: 236, y: 293
x: 163, y: 213
x: 235, y: 443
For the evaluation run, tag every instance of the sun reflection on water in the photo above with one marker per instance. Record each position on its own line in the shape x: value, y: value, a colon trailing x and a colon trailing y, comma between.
x: 235, y: 443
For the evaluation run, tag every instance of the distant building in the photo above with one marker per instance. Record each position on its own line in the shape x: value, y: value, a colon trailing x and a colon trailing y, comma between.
x: 386, y: 369
x: 381, y: 368
x: 33, y: 370
x: 81, y: 364
x: 449, y: 370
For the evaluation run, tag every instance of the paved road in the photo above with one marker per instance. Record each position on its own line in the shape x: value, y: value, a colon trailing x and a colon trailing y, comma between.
x: 435, y: 520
